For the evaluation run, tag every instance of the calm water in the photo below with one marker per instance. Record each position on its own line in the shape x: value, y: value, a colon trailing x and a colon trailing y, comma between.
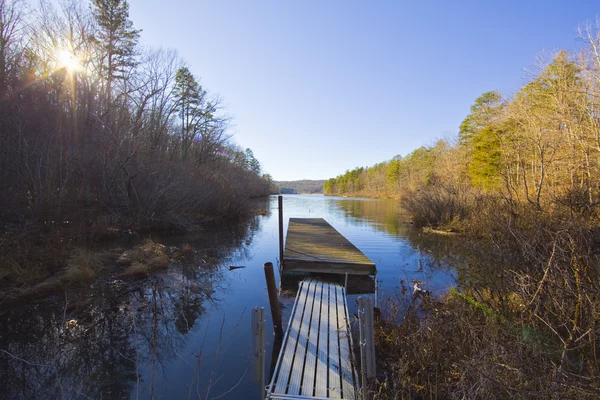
x: 186, y: 333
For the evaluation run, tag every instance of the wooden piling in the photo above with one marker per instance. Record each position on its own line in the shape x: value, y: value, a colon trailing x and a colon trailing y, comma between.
x: 273, y: 300
x: 280, y: 203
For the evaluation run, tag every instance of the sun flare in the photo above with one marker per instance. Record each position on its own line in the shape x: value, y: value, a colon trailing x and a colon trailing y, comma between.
x: 69, y: 61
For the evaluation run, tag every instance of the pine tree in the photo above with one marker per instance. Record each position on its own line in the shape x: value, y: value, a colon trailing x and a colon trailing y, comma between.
x: 483, y: 112
x: 190, y: 99
x: 117, y: 40
x: 252, y: 163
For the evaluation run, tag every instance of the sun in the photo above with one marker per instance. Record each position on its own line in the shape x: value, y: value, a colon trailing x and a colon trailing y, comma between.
x: 69, y: 61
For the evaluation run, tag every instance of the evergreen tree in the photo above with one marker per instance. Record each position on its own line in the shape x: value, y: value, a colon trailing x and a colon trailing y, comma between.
x: 117, y: 40
x: 484, y: 168
x: 483, y: 112
x: 190, y: 105
x: 252, y: 163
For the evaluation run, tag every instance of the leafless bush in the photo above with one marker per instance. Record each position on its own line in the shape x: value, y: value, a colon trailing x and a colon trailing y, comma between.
x: 526, y: 325
x: 439, y: 204
x: 461, y: 349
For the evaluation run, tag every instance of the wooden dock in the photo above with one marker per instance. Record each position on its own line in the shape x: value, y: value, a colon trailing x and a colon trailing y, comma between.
x: 316, y: 354
x: 312, y: 245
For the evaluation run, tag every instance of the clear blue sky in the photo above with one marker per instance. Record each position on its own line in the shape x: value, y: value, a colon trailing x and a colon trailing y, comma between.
x: 319, y: 87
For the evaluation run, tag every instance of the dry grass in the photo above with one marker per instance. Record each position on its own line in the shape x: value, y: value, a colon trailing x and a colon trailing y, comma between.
x: 146, y: 258
x: 186, y: 252
x: 76, y: 273
x: 158, y: 262
x: 439, y: 205
x: 26, y: 259
x: 84, y: 265
x: 129, y: 257
x: 459, y: 349
x: 10, y: 268
x: 187, y: 249
x: 137, y: 269
x: 149, y: 247
x: 527, y: 325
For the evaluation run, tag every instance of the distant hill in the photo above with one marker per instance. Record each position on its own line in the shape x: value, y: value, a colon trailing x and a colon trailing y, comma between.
x: 303, y: 186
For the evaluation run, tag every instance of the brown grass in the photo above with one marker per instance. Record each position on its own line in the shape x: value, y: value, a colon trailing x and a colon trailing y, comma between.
x: 137, y: 269
x: 186, y: 252
x: 145, y: 258
x: 83, y: 265
x: 439, y: 205
x: 187, y: 249
x: 10, y: 268
x: 149, y: 247
x: 458, y: 349
x: 159, y: 262
x: 26, y: 259
x: 128, y: 257
x: 526, y: 325
x: 75, y: 273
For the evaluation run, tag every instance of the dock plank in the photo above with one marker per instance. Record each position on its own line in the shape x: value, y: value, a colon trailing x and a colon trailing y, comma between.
x: 316, y: 360
x: 335, y: 391
x: 290, y: 342
x: 308, y: 380
x: 323, y: 352
x: 313, y: 245
x: 299, y: 357
x: 347, y: 373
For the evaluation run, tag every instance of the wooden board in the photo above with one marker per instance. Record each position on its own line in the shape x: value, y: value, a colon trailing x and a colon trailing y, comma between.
x: 316, y: 360
x: 312, y: 245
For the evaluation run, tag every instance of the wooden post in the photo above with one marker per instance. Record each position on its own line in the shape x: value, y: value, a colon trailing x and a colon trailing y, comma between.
x: 367, y: 341
x: 346, y: 283
x: 280, y: 201
x: 258, y: 346
x: 273, y: 300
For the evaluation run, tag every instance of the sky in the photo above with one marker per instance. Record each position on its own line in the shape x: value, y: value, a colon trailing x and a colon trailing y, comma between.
x: 316, y: 88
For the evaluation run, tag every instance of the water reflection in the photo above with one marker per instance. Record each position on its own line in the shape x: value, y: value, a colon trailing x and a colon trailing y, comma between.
x: 385, y: 215
x: 112, y: 340
x: 186, y: 333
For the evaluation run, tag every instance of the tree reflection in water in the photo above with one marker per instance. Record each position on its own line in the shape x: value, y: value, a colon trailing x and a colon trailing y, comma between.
x: 95, y: 342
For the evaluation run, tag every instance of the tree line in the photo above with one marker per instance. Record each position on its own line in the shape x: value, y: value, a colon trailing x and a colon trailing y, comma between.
x: 99, y: 131
x: 520, y: 183
x: 540, y: 147
x: 301, y: 186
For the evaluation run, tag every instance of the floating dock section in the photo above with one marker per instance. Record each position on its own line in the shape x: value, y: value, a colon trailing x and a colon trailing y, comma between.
x: 312, y: 245
x: 316, y: 354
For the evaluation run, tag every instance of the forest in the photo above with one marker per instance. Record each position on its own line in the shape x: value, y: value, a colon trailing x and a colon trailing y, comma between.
x: 302, y: 186
x: 100, y: 135
x: 519, y: 187
x: 540, y: 148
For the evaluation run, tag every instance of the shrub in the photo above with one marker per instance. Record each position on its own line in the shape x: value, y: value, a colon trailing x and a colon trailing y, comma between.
x: 137, y: 268
x: 83, y: 265
x: 439, y: 205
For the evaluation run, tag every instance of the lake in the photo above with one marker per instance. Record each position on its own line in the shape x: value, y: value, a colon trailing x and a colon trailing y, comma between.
x: 185, y: 333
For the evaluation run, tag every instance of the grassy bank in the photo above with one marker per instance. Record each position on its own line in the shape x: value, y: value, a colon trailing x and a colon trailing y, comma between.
x: 35, y: 272
x: 522, y: 322
x: 38, y: 260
